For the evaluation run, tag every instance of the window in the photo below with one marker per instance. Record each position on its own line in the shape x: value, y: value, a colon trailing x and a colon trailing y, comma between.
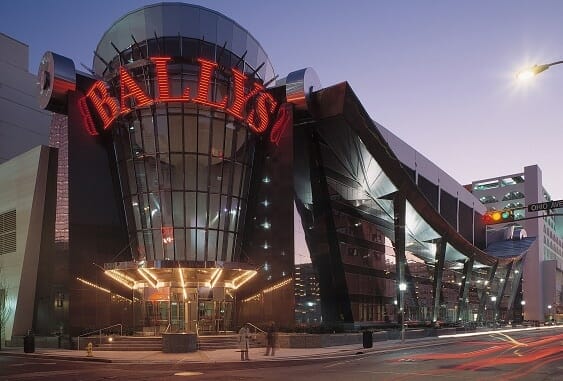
x: 507, y: 181
x: 486, y: 185
x: 513, y: 205
x: 488, y: 199
x: 513, y: 196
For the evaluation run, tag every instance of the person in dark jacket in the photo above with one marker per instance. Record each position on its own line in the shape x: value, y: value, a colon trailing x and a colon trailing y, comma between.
x: 271, y: 339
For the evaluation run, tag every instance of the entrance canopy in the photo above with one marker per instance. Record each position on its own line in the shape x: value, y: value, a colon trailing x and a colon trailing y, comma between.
x: 192, y: 274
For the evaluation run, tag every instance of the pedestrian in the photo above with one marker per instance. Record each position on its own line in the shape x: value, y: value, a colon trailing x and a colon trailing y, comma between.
x: 244, y: 342
x: 271, y: 339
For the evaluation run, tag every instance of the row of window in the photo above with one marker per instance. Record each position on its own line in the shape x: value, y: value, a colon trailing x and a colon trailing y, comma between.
x: 516, y: 195
x: 507, y: 181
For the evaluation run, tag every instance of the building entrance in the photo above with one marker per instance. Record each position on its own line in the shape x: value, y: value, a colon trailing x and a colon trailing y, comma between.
x: 170, y: 298
x: 170, y: 310
x: 215, y: 316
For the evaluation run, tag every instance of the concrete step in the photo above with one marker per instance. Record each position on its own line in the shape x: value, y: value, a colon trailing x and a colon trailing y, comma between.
x: 209, y: 343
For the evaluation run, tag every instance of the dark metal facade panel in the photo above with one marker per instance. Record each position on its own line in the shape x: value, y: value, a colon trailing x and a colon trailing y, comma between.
x: 430, y: 190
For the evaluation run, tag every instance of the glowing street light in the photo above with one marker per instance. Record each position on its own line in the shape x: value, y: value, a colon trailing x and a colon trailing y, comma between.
x: 494, y: 300
x: 535, y: 70
x: 402, y: 289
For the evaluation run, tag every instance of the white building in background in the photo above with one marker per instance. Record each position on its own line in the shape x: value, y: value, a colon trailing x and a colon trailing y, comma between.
x: 23, y: 125
x: 27, y: 206
x: 542, y: 283
x: 27, y: 197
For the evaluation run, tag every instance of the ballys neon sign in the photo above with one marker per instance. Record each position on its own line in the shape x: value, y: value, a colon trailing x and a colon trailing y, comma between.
x: 255, y: 107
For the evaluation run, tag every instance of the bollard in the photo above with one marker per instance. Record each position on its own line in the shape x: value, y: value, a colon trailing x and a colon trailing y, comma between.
x: 89, y: 350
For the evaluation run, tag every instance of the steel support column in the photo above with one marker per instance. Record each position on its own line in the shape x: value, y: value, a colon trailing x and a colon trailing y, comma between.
x: 514, y: 289
x: 464, y: 290
x: 483, y: 294
x: 323, y: 241
x: 399, y: 205
x: 438, y: 272
x: 500, y: 294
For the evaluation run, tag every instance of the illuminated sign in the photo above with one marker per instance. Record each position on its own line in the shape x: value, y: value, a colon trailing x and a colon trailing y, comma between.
x: 284, y: 119
x: 254, y: 107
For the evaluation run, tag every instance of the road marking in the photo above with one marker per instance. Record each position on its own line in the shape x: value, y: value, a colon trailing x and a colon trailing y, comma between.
x: 188, y: 374
x: 339, y: 363
x: 513, y: 341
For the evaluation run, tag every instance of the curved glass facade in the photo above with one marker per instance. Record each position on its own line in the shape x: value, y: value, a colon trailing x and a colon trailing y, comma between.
x: 184, y: 170
x: 184, y: 162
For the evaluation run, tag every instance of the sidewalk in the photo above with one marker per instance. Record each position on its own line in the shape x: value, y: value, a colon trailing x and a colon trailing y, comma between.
x: 209, y: 357
x: 216, y: 356
x: 232, y: 355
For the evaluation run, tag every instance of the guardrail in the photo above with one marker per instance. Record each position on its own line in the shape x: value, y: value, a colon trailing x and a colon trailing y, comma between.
x: 256, y: 328
x: 99, y: 331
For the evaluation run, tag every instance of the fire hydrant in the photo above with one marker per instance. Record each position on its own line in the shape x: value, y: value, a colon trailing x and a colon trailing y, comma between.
x: 89, y: 350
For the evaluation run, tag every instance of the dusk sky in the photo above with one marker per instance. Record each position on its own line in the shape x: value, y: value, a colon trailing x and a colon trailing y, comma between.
x: 439, y: 74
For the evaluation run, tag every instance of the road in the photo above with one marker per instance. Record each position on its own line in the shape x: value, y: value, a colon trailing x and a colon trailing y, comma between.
x: 535, y: 355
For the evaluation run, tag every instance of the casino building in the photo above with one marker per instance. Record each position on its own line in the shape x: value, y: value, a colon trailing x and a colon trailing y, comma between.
x: 185, y: 159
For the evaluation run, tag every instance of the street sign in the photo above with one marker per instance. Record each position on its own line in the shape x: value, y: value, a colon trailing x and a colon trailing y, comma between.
x: 545, y: 205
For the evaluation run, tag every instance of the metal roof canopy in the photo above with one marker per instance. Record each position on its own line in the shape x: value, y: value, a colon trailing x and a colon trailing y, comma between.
x: 180, y: 273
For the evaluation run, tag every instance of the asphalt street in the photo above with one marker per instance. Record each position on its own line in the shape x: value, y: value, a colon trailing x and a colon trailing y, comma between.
x: 530, y: 355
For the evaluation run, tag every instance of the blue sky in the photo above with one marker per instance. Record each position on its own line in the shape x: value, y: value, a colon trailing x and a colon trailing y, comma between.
x: 439, y: 74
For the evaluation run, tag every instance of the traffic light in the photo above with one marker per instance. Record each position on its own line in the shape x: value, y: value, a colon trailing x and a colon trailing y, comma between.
x: 498, y: 216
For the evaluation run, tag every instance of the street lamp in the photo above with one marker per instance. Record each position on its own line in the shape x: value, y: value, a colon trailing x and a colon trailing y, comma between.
x: 494, y: 300
x: 402, y: 289
x: 549, y: 308
x: 535, y: 70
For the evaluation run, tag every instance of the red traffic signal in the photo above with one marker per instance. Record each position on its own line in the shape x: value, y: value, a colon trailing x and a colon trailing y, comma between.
x: 498, y: 216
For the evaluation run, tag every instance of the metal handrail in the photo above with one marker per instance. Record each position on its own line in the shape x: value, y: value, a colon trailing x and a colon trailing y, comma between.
x: 256, y: 328
x: 100, y: 332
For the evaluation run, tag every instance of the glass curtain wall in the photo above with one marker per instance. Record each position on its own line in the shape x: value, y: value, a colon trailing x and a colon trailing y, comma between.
x: 184, y: 168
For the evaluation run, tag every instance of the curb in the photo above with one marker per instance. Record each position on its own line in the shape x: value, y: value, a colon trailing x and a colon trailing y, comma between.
x: 54, y: 357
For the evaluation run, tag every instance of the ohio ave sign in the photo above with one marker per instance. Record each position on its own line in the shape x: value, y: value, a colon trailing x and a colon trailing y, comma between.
x: 545, y: 205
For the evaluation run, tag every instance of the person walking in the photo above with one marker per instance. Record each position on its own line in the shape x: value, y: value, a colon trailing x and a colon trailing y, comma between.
x: 271, y: 340
x: 244, y: 342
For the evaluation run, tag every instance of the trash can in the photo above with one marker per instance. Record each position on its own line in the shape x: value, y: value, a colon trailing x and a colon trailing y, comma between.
x: 368, y: 339
x: 29, y: 343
